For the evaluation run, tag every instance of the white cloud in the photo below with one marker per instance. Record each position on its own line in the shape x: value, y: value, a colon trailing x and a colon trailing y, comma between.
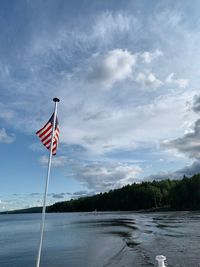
x: 148, y: 79
x: 5, y: 112
x: 20, y: 202
x: 183, y: 83
x: 107, y: 24
x: 5, y: 138
x: 148, y: 57
x: 2, y: 206
x: 102, y: 176
x: 107, y: 69
x: 103, y: 121
x: 36, y: 147
x: 127, y: 127
x: 58, y: 161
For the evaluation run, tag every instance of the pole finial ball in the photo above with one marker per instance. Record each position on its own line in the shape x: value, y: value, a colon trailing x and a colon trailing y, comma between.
x: 56, y: 99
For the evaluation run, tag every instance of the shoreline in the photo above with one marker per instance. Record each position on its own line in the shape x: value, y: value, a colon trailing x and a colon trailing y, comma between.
x: 39, y: 210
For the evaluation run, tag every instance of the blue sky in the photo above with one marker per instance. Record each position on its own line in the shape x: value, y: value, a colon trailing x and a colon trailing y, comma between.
x: 127, y: 74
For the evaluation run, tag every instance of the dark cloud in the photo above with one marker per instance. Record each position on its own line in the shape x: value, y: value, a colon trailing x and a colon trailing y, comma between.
x: 60, y: 195
x: 189, y: 144
x: 196, y: 103
x: 188, y: 171
x: 80, y: 193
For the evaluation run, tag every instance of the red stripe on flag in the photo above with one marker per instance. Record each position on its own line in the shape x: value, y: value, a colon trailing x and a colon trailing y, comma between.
x: 43, y: 129
x: 46, y: 138
x: 45, y: 134
x: 46, y: 130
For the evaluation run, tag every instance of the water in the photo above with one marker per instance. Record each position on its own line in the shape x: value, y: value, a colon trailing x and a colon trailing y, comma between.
x: 101, y: 239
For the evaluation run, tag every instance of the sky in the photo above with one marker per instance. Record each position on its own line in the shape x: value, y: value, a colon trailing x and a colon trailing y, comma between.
x: 127, y: 74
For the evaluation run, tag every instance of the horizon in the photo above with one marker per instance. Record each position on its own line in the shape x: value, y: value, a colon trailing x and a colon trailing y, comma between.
x: 127, y: 75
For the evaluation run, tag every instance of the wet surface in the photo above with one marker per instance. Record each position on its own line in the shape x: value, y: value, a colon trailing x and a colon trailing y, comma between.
x: 101, y: 239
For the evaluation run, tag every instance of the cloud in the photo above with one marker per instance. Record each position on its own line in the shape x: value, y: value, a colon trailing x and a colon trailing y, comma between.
x: 58, y: 196
x: 2, y: 206
x: 80, y: 193
x: 196, y: 103
x: 124, y: 127
x: 97, y: 121
x: 183, y: 83
x: 102, y: 176
x: 5, y: 138
x: 148, y: 57
x: 107, y: 69
x: 58, y: 59
x: 58, y: 161
x: 188, y: 171
x: 20, y: 202
x: 148, y: 79
x: 189, y: 144
x: 108, y: 25
x: 94, y: 115
x: 36, y: 147
x: 35, y: 194
x: 5, y: 112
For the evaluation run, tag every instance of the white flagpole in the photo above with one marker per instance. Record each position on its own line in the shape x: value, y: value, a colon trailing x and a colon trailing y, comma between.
x: 56, y: 100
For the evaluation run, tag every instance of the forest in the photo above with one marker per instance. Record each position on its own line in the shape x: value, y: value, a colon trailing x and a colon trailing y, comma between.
x: 155, y: 195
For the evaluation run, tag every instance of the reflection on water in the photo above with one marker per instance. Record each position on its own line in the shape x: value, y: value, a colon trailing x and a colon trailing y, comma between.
x: 101, y: 239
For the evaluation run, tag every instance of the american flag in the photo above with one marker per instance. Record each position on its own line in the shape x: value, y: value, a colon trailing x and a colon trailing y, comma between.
x: 45, y: 134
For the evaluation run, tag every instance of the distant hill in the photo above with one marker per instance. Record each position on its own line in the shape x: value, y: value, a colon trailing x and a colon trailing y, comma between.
x: 29, y: 210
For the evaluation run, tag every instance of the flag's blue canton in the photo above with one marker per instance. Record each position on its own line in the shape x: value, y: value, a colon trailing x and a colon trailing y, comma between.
x: 51, y: 121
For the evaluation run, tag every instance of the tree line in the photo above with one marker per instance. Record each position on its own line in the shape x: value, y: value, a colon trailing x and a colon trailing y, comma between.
x: 165, y: 194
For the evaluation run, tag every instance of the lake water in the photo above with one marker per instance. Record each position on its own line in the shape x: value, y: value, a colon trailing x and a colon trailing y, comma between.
x: 101, y: 239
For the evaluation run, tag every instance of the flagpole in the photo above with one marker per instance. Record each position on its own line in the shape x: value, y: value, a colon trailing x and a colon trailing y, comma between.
x: 56, y: 100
